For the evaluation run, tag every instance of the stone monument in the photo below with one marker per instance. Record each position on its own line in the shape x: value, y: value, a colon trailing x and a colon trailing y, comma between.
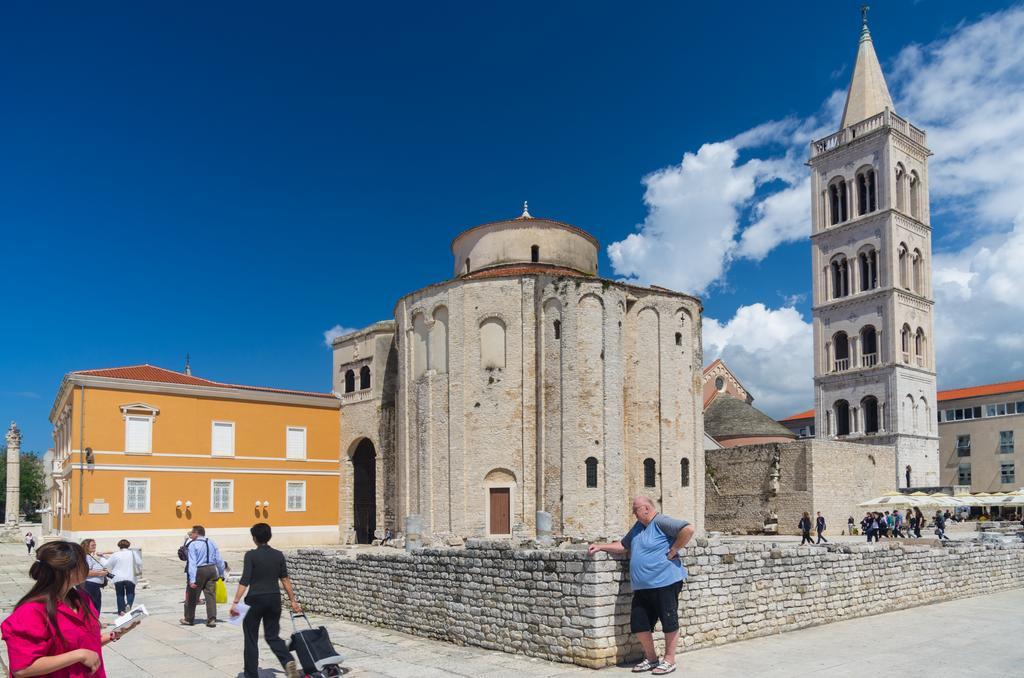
x: 13, y: 475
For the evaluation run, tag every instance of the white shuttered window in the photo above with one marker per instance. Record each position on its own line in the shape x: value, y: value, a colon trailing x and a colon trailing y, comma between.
x: 295, y: 447
x: 221, y: 499
x: 138, y: 434
x: 296, y: 495
x: 136, y: 495
x: 223, y: 443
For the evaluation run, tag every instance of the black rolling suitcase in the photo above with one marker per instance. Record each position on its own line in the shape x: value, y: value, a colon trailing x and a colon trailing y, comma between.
x: 317, y: 656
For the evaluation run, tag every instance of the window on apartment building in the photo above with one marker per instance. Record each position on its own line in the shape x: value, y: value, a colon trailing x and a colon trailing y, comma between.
x: 1006, y: 473
x: 963, y: 445
x: 223, y: 442
x: 295, y: 495
x: 295, y: 446
x: 222, y: 496
x: 138, y: 434
x: 963, y: 413
x: 1006, y: 442
x: 964, y: 474
x: 136, y: 495
x: 1020, y: 407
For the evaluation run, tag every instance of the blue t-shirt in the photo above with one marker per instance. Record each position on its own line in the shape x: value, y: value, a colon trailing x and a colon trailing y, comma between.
x: 649, y: 566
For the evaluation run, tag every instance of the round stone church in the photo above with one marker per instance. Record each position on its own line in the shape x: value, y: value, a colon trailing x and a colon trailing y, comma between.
x: 525, y: 383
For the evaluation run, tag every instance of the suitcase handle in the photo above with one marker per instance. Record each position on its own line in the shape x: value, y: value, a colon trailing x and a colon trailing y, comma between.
x: 295, y: 616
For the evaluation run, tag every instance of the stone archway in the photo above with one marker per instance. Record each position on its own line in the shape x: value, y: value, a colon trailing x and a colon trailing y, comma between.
x: 364, y: 491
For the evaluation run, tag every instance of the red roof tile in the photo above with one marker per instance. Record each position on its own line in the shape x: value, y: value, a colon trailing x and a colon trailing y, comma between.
x: 164, y: 376
x: 809, y: 414
x: 975, y: 391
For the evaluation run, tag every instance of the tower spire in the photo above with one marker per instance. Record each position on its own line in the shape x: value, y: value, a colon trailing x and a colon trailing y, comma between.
x: 188, y: 366
x: 868, y: 94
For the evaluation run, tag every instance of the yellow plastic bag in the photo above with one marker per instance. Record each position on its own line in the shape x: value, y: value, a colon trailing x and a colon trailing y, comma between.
x: 222, y: 592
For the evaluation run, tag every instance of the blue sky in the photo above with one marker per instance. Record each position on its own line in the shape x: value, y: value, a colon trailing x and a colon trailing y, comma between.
x: 231, y: 181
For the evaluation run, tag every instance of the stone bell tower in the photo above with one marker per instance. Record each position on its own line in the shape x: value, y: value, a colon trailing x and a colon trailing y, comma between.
x: 874, y: 360
x: 13, y: 475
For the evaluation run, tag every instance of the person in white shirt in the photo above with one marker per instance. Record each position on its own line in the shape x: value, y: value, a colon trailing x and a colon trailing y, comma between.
x: 97, y: 578
x: 30, y: 542
x: 126, y: 566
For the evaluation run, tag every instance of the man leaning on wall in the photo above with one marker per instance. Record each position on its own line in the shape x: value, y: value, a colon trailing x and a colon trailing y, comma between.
x: 657, y: 574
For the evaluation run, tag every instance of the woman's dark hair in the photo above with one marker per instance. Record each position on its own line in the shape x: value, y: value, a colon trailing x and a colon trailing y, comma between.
x: 260, y: 532
x: 123, y: 544
x: 57, y: 563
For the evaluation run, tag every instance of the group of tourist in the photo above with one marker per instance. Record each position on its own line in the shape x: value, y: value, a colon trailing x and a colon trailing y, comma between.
x: 879, y: 524
x: 55, y: 629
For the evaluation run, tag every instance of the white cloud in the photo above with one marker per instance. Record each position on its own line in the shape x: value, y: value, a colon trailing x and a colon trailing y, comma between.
x: 335, y: 332
x: 742, y: 197
x: 769, y: 350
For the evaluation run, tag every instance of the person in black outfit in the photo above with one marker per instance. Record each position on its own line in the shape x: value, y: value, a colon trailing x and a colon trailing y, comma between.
x: 262, y: 569
x: 805, y: 529
x: 819, y: 526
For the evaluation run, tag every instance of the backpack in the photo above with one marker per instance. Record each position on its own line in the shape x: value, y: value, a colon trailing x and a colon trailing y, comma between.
x: 183, y: 550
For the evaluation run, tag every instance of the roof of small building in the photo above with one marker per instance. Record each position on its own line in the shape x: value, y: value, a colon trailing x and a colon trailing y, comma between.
x: 809, y: 414
x: 152, y: 373
x: 727, y: 416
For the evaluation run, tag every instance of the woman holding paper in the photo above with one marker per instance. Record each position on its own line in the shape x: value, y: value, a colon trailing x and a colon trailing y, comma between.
x: 55, y: 629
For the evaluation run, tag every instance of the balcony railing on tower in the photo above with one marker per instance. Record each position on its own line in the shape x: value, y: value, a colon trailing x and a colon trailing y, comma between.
x: 869, y: 360
x: 842, y: 364
x: 884, y: 119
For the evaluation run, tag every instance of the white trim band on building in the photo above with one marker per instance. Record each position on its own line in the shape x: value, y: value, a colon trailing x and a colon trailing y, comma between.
x: 201, y: 469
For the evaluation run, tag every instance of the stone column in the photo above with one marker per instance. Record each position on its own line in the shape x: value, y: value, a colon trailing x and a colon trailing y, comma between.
x: 13, y: 474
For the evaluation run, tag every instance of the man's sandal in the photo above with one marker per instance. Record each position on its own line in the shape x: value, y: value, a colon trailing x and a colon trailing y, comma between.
x: 662, y: 668
x: 645, y: 665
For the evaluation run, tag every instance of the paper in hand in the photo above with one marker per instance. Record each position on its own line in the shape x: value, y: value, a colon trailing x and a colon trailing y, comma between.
x: 130, y: 619
x: 242, y: 609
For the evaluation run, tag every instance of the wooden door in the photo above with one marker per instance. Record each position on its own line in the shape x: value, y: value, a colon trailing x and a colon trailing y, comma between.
x: 500, y: 510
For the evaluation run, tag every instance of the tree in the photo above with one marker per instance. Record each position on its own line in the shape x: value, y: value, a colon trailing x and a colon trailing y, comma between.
x: 33, y: 483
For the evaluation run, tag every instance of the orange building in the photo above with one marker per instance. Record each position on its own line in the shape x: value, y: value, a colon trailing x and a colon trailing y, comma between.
x: 143, y: 453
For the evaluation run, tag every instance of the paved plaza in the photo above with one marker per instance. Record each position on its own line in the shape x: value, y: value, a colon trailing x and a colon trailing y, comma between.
x: 975, y: 636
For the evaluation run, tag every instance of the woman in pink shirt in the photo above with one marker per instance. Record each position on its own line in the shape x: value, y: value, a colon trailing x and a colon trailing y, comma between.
x: 54, y: 630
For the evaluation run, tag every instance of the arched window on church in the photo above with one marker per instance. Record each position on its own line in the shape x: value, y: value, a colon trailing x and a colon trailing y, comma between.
x: 492, y: 343
x: 869, y: 406
x: 866, y: 196
x: 650, y: 473
x: 904, y: 254
x: 841, y: 348
x: 350, y: 381
x: 467, y: 264
x: 842, y: 410
x: 535, y: 253
x: 918, y: 271
x: 919, y: 347
x: 679, y: 338
x: 840, y: 277
x: 558, y: 329
x: 684, y: 472
x: 364, y: 377
x: 905, y: 343
x: 591, y: 464
x: 839, y: 206
x: 868, y: 260
x: 915, y: 195
x: 868, y: 347
x: 901, y: 188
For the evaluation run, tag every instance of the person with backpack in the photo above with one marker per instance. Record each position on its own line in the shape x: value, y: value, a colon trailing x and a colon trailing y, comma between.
x: 805, y: 529
x: 262, y: 569
x: 940, y: 525
x: 30, y: 542
x: 204, y: 567
x: 819, y: 526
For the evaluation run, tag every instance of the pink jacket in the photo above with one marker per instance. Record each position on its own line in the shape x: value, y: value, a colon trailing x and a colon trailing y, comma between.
x: 28, y: 637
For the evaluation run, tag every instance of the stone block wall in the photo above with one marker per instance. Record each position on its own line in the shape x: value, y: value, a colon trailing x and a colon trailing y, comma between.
x: 814, y: 475
x: 564, y: 605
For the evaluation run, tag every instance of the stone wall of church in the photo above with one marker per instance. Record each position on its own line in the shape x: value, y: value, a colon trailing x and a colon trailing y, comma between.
x: 525, y: 403
x: 813, y: 475
x: 566, y: 606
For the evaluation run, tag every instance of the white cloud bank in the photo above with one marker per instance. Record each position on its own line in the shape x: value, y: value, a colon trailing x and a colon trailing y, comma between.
x: 967, y: 91
x: 335, y: 332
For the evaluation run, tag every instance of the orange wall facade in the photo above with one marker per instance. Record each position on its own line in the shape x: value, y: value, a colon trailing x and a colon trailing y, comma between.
x: 181, y: 467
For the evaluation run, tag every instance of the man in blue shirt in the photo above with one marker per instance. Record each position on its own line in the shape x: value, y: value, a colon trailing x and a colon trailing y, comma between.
x: 657, y: 576
x: 205, y: 567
